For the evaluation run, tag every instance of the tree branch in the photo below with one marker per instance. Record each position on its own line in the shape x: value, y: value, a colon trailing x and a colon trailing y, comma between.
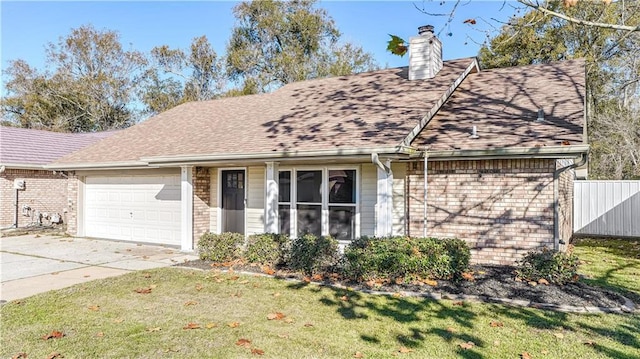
x: 544, y: 10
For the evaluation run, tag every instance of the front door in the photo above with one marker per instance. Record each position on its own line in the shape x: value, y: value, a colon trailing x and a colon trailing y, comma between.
x: 233, y: 201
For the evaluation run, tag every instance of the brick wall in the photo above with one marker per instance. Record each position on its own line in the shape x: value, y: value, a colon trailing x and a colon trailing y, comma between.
x: 565, y: 202
x: 201, y: 200
x: 72, y: 202
x: 502, y: 208
x: 44, y: 192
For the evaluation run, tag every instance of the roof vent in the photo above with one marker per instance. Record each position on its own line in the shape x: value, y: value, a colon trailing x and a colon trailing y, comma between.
x: 540, y: 116
x: 425, y: 54
x: 474, y: 133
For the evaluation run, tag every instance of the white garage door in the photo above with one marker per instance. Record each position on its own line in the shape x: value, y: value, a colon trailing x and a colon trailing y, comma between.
x: 133, y: 208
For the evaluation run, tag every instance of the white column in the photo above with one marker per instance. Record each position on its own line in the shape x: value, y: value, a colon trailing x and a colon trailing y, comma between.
x: 271, y: 224
x: 384, y: 203
x: 186, y: 208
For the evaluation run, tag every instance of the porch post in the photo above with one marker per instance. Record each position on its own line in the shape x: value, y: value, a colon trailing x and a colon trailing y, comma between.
x: 186, y: 208
x: 271, y: 224
x: 384, y: 203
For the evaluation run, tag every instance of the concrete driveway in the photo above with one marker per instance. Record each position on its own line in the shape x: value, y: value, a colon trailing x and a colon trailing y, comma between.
x: 33, y: 264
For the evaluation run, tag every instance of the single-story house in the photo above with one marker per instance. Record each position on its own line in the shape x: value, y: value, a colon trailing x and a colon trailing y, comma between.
x: 29, y: 193
x: 437, y: 148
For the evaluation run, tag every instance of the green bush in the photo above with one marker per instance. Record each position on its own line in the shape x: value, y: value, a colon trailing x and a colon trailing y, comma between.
x: 222, y: 247
x: 311, y: 254
x: 268, y: 248
x: 555, y: 267
x: 405, y: 257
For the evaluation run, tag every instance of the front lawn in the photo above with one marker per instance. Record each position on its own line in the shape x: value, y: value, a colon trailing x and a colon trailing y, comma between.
x: 182, y: 313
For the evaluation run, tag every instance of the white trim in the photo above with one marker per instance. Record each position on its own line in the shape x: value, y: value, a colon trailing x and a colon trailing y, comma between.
x: 384, y: 202
x: 271, y: 190
x: 186, y: 208
x: 246, y: 193
x: 81, y: 202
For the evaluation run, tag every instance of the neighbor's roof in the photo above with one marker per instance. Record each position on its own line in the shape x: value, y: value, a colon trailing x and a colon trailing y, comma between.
x: 503, y: 104
x: 25, y: 148
x: 372, y: 109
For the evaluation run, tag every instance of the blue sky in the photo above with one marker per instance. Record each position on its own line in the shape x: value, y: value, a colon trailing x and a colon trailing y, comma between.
x: 28, y: 26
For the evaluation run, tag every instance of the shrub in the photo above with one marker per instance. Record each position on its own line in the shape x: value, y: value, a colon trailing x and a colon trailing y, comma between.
x: 268, y: 248
x: 311, y: 254
x: 555, y: 267
x: 405, y: 257
x: 222, y: 247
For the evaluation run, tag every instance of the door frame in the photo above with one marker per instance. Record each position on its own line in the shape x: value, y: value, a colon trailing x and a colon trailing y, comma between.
x: 219, y: 195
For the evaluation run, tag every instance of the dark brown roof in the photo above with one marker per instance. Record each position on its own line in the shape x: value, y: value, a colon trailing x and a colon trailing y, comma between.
x: 503, y: 105
x: 21, y: 146
x: 372, y: 109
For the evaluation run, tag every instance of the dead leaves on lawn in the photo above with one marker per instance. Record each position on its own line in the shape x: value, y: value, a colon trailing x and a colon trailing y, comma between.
x: 145, y: 290
x: 53, y: 335
x: 191, y: 326
x: 94, y: 308
x: 246, y: 343
x: 275, y: 316
x: 467, y: 345
x: 495, y: 324
x: 19, y: 356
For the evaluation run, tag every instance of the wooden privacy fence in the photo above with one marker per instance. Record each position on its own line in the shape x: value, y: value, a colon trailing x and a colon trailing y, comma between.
x: 606, y: 208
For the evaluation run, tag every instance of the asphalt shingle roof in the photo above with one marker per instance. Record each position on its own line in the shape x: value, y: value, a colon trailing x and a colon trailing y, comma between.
x: 21, y: 146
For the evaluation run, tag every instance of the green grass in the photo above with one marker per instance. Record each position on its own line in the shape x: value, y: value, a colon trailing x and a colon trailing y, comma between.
x: 611, y: 263
x: 319, y: 322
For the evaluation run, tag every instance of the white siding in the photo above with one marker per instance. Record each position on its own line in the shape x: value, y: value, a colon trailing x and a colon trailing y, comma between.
x: 607, y: 208
x: 215, y: 205
x: 399, y: 175
x: 255, y: 200
x: 368, y: 199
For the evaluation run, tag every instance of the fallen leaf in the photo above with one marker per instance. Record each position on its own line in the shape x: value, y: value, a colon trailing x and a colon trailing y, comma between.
x: 86, y: 276
x: 589, y: 343
x: 267, y: 270
x: 277, y: 294
x: 256, y: 351
x: 404, y: 350
x: 155, y: 329
x: 211, y: 325
x: 525, y: 355
x: 283, y: 336
x: 175, y: 350
x: 153, y: 286
x: 100, y: 334
x: 54, y: 355
x: 430, y: 282
x: 344, y: 298
x: 237, y: 294
x: 235, y: 277
x: 190, y: 302
x: 358, y: 355
x: 544, y: 352
x: 496, y: 342
x: 199, y: 287
x: 55, y: 273
x: 19, y: 355
x: 244, y: 343
x: 243, y: 282
x: 533, y: 284
x: 306, y: 279
x: 481, y: 272
x: 53, y: 335
x: 496, y: 324
x: 118, y: 320
x: 192, y: 326
x: 467, y: 345
x: 145, y: 257
x: 275, y: 316
x: 308, y: 325
x: 468, y: 276
x: 95, y: 308
x: 458, y: 303
x: 558, y: 335
x: 543, y: 281
x: 316, y: 277
x: 143, y: 290
x: 233, y: 324
x: 397, y: 295
x: 451, y: 329
x: 147, y: 275
x: 288, y: 320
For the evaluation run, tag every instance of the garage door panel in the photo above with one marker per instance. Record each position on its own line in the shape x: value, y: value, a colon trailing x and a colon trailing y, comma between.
x: 138, y: 208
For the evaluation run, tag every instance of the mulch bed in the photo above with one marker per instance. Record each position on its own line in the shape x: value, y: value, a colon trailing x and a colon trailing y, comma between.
x: 487, y: 282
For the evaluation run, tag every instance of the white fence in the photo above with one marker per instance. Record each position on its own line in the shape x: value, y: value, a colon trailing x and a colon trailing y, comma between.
x: 606, y: 208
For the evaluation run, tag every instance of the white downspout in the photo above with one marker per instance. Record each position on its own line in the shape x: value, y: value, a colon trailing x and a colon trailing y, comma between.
x: 426, y: 187
x: 556, y: 196
x: 384, y: 207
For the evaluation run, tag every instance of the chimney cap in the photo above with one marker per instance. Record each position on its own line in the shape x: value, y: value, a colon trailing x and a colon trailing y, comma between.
x: 425, y: 29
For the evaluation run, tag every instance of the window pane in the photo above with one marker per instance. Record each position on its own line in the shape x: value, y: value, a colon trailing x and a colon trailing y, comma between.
x: 342, y: 222
x: 309, y: 219
x: 284, y: 186
x: 309, y: 186
x: 342, y: 186
x: 284, y: 219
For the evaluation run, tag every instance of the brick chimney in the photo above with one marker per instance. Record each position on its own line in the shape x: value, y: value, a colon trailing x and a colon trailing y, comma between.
x: 425, y: 54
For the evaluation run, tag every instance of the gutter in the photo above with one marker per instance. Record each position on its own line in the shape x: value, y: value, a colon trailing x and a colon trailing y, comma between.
x: 18, y: 166
x: 127, y: 165
x: 511, y: 152
x: 556, y: 198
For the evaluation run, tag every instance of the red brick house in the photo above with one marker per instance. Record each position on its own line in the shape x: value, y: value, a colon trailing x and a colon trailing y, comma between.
x: 23, y: 156
x: 346, y: 157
